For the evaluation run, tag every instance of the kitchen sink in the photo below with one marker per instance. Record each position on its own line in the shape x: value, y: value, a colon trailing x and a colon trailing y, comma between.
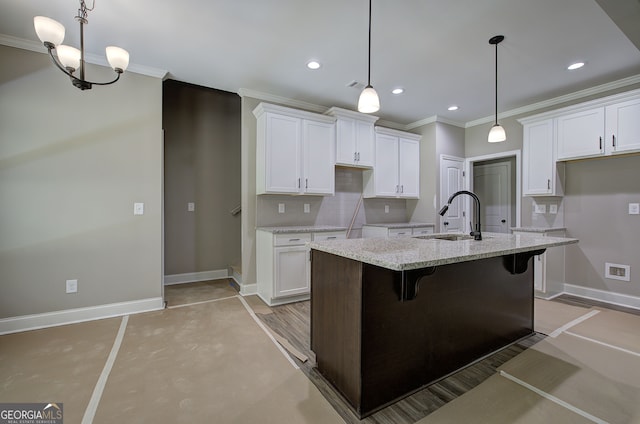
x: 450, y: 237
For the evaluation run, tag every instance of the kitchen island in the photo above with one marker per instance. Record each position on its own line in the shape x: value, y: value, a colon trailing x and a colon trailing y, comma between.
x: 389, y: 316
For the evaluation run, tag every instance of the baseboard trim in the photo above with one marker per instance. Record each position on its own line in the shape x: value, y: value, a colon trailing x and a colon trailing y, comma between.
x: 603, y: 296
x: 248, y: 289
x: 193, y: 277
x: 72, y: 316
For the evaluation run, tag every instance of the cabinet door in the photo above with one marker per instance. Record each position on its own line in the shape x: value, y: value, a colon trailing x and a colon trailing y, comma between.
x: 537, y: 158
x: 282, y: 154
x: 409, y: 168
x: 346, y: 141
x: 292, y: 271
x: 623, y: 127
x: 580, y: 134
x: 365, y: 144
x: 386, y: 166
x: 399, y: 232
x: 319, y: 170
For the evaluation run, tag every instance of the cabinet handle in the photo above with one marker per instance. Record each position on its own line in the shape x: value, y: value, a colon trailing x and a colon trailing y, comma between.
x: 298, y: 182
x: 294, y: 239
x: 306, y: 183
x: 331, y: 238
x: 614, y: 140
x: 402, y: 188
x: 355, y: 156
x: 600, y: 143
x: 548, y: 184
x: 358, y: 156
x: 397, y: 189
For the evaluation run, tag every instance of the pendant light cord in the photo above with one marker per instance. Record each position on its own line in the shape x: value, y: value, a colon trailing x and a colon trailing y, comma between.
x: 496, y: 83
x: 369, y: 68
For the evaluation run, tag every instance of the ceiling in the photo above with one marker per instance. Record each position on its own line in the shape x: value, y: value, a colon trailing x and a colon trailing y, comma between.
x: 437, y: 50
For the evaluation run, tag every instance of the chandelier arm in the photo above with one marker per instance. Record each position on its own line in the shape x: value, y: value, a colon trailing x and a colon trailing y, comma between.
x: 74, y: 78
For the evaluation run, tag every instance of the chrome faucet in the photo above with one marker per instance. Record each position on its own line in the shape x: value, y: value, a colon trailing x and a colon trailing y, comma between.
x: 477, y: 235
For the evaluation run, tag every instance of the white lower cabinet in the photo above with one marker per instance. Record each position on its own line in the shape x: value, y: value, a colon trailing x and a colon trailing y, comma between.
x: 548, y: 268
x: 370, y: 231
x: 283, y: 264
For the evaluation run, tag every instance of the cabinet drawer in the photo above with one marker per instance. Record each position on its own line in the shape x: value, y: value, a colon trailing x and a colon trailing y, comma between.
x: 292, y: 239
x: 399, y: 232
x: 422, y: 230
x: 333, y: 235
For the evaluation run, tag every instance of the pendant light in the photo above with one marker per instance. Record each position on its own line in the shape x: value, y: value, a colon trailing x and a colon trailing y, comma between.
x: 369, y: 101
x: 497, y: 133
x: 69, y: 59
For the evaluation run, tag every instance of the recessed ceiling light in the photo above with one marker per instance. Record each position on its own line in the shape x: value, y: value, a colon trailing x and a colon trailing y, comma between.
x: 452, y: 108
x: 312, y: 64
x: 576, y: 65
x: 397, y: 90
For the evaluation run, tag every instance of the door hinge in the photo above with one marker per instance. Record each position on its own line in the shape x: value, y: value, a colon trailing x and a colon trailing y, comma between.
x: 464, y: 174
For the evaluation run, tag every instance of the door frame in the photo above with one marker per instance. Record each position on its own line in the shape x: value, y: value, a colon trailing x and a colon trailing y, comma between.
x: 468, y: 182
x: 509, y: 183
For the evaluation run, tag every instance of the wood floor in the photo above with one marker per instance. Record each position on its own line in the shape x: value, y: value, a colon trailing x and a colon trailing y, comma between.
x: 292, y: 322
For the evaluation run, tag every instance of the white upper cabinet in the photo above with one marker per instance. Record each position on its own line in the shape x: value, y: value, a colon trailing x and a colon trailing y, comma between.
x: 541, y: 175
x: 294, y: 151
x: 581, y: 134
x: 355, y: 138
x: 623, y: 127
x: 396, y: 172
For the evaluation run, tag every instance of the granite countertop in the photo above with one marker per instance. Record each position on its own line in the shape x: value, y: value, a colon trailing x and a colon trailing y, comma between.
x: 408, y: 253
x: 538, y: 229
x: 401, y: 225
x: 302, y: 229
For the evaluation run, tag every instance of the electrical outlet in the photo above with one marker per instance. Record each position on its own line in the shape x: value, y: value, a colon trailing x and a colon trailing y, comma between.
x: 634, y: 208
x: 72, y: 286
x: 540, y: 208
x: 191, y: 207
x: 553, y: 209
x: 280, y: 207
x: 307, y: 208
x: 386, y: 208
x: 617, y: 272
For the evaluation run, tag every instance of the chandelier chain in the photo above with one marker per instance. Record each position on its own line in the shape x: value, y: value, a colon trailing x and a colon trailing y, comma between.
x: 83, y: 12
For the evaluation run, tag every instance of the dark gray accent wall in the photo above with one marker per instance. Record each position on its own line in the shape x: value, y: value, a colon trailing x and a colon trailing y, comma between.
x: 201, y: 165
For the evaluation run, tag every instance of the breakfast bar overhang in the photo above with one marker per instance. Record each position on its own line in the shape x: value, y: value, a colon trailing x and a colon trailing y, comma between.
x: 389, y: 316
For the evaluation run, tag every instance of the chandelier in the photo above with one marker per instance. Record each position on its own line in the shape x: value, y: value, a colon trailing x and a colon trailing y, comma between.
x: 69, y: 59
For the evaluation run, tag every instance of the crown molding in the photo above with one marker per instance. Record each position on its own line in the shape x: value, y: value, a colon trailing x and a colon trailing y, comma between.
x: 598, y: 89
x: 272, y: 98
x: 36, y: 46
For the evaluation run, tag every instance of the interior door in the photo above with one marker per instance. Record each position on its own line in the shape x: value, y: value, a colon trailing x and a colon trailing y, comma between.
x: 492, y: 185
x: 450, y: 182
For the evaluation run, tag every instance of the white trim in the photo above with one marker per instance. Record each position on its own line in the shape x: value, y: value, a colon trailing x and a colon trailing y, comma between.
x: 552, y: 398
x: 603, y: 296
x: 259, y: 95
x: 267, y: 332
x: 92, y: 407
x: 72, y: 316
x: 36, y: 46
x: 468, y: 167
x: 248, y: 289
x: 559, y: 100
x: 193, y: 277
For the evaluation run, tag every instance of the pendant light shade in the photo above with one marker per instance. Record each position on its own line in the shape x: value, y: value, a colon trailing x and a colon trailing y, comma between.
x: 369, y: 102
x: 497, y: 133
x: 48, y: 30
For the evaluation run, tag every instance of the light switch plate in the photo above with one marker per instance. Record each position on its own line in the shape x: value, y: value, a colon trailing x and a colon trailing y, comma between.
x: 386, y: 208
x: 553, y: 209
x: 280, y: 207
x: 72, y: 286
x: 138, y: 208
x: 634, y: 208
x: 307, y: 208
x: 191, y: 207
x: 540, y: 208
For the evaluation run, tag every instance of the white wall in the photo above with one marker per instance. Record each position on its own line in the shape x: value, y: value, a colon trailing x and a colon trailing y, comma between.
x: 72, y: 164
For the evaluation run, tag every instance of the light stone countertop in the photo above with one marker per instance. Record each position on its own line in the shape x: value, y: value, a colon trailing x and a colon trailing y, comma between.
x: 401, y: 225
x: 406, y: 253
x: 538, y: 229
x: 302, y: 229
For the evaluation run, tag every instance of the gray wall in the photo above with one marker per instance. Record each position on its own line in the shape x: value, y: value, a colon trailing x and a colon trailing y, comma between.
x: 201, y: 165
x: 591, y: 210
x: 72, y: 164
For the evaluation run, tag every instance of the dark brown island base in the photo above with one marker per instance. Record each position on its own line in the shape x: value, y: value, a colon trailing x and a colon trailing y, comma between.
x: 389, y: 317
